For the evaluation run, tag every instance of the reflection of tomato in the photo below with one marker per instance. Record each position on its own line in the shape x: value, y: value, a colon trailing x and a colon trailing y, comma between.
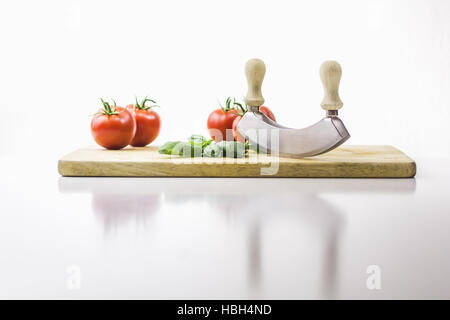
x: 237, y: 136
x: 117, y: 209
x: 113, y: 127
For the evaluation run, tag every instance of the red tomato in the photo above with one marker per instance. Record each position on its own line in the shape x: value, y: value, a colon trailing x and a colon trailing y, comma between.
x: 219, y: 121
x: 237, y: 136
x: 148, y: 124
x: 113, y: 127
x: 268, y: 113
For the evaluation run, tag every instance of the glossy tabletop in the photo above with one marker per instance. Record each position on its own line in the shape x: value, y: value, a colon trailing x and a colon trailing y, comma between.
x: 230, y: 238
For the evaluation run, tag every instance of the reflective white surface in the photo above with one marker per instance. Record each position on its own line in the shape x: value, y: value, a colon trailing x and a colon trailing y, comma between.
x: 223, y: 238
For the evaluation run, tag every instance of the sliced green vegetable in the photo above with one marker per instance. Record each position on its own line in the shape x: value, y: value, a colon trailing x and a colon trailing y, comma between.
x: 213, y: 151
x: 167, y: 147
x: 232, y: 149
x: 199, y: 146
x: 187, y: 150
x: 197, y: 140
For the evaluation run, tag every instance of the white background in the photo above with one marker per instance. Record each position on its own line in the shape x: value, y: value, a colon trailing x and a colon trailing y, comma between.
x: 59, y: 57
x: 223, y: 238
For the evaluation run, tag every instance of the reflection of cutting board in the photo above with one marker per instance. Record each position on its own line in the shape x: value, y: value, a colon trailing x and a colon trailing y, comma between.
x: 343, y: 162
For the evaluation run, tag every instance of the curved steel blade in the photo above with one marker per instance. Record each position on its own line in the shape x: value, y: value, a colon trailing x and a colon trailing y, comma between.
x: 321, y: 137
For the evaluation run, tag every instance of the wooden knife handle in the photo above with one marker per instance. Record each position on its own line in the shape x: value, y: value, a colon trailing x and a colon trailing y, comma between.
x: 330, y: 74
x: 255, y: 69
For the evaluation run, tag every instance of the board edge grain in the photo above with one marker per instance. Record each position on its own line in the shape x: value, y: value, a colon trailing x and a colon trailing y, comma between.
x: 68, y: 167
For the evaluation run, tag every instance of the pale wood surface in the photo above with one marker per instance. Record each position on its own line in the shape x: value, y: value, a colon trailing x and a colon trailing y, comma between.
x: 343, y: 162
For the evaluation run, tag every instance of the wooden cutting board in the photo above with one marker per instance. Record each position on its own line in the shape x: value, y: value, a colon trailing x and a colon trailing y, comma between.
x: 343, y: 162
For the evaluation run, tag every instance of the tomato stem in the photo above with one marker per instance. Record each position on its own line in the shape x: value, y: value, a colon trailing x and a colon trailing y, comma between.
x: 108, y: 110
x: 236, y: 107
x: 142, y: 106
